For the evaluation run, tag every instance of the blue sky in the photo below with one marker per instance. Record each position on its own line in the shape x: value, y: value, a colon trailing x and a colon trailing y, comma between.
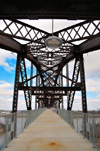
x: 92, y: 72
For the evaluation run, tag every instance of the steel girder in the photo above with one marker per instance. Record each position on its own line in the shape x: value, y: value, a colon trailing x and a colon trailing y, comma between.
x: 83, y: 87
x: 31, y: 73
x: 80, y: 31
x: 15, y: 95
x: 61, y: 85
x: 64, y: 88
x: 27, y: 93
x: 78, y: 67
x: 31, y: 34
x: 21, y: 69
x: 75, y: 78
x: 37, y: 85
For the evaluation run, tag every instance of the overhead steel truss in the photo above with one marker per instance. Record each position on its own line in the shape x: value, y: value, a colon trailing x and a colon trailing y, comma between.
x: 52, y: 76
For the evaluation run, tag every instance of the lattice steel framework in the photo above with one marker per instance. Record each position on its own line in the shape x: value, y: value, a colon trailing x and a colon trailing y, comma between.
x: 50, y: 63
x: 17, y: 74
x: 27, y: 93
x: 73, y: 84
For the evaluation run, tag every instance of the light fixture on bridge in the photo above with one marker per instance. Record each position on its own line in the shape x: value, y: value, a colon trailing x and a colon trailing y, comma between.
x: 53, y: 42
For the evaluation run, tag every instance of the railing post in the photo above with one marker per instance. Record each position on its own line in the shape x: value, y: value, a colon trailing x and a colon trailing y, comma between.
x: 22, y: 122
x: 93, y: 130
x: 89, y: 128
x: 6, y: 130
x: 83, y: 125
x: 77, y: 122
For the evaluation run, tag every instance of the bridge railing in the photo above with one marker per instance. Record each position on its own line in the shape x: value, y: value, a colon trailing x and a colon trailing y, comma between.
x: 11, y: 125
x: 84, y: 123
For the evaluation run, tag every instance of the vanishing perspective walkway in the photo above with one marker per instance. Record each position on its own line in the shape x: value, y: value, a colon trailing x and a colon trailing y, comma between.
x: 49, y: 133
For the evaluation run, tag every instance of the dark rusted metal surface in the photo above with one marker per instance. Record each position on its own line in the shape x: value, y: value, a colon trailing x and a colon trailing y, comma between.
x: 83, y: 87
x: 27, y: 93
x: 15, y: 95
x: 75, y: 78
x: 77, y: 88
x: 66, y: 9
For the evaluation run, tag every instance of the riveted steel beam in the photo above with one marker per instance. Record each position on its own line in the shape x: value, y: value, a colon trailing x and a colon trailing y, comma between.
x: 76, y: 88
x: 73, y: 84
x: 90, y: 45
x: 15, y: 95
x: 24, y: 78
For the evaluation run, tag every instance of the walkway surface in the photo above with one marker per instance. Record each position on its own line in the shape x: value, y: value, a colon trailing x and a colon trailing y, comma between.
x: 49, y: 133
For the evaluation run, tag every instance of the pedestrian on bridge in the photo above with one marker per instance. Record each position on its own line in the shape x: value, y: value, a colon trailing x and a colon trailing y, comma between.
x: 53, y: 109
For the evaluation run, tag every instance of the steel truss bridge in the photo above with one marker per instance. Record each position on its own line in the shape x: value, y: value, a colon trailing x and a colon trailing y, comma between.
x: 49, y: 89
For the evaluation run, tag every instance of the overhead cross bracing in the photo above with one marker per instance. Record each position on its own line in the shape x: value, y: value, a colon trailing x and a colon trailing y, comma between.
x: 49, y: 90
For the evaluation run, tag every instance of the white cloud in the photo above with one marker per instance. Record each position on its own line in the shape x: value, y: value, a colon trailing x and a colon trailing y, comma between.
x: 4, y: 84
x: 4, y: 55
x: 92, y: 64
x: 9, y: 68
x: 5, y: 103
x: 6, y: 96
x: 92, y: 104
x: 93, y: 85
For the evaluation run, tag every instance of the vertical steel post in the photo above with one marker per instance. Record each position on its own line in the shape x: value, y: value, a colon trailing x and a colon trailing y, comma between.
x: 31, y: 82
x: 67, y: 74
x: 17, y: 74
x: 59, y: 84
x: 37, y: 85
x: 24, y: 78
x: 31, y: 74
x: 73, y: 84
x: 83, y: 87
x: 62, y: 86
x: 35, y: 104
x: 67, y: 81
x: 15, y: 95
x: 38, y: 104
x: 59, y: 104
x: 83, y: 92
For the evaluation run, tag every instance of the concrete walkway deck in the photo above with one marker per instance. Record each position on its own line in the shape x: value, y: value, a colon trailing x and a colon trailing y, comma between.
x: 49, y: 133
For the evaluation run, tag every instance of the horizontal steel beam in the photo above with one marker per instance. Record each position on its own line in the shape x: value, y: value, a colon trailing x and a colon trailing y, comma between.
x: 49, y: 94
x: 90, y: 45
x: 76, y: 88
x: 46, y: 99
x: 13, y: 46
x: 10, y: 44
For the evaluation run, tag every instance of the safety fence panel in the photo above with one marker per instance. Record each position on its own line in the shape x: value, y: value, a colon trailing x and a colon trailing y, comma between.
x: 86, y: 124
x: 11, y: 125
